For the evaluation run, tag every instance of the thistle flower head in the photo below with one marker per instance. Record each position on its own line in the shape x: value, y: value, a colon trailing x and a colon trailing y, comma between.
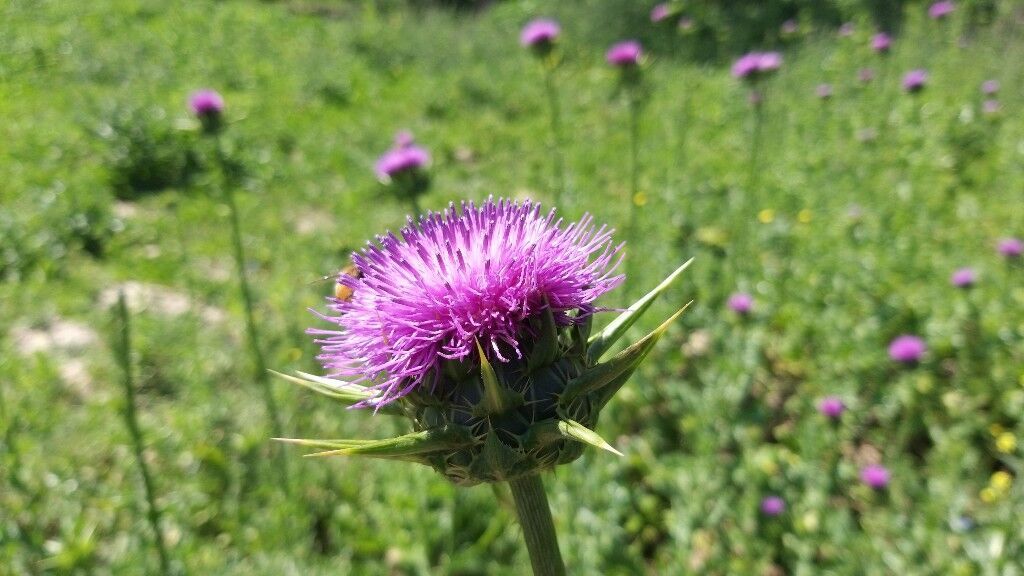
x: 881, y: 43
x: 661, y: 12
x: 914, y: 81
x: 741, y: 303
x: 208, y: 106
x: 824, y: 91
x: 991, y: 107
x: 907, y: 349
x: 831, y: 407
x: 772, y: 506
x: 941, y: 9
x: 1011, y: 247
x: 847, y: 29
x: 755, y: 65
x: 540, y: 33
x: 405, y: 156
x: 465, y: 276
x: 865, y: 75
x: 963, y: 278
x: 990, y: 87
x: 625, y: 54
x: 875, y: 475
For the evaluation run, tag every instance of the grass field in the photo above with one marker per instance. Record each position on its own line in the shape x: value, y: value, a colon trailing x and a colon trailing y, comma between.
x: 843, y: 218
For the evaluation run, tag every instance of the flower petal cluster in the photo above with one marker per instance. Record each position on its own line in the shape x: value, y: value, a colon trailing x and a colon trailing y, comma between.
x: 940, y: 10
x: 875, y: 475
x: 1011, y: 247
x: 756, y: 64
x: 963, y: 278
x: 403, y: 157
x: 469, y: 275
x: 881, y: 43
x: 206, y: 102
x: 627, y: 53
x: 542, y: 31
x: 661, y: 12
x: 915, y: 80
x: 907, y: 349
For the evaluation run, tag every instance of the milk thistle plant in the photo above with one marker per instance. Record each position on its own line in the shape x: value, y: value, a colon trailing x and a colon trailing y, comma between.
x: 475, y: 325
x: 541, y: 37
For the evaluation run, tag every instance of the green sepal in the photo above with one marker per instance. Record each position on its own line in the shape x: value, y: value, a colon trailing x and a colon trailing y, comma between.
x: 545, y: 350
x: 556, y: 430
x: 600, y: 343
x: 496, y: 456
x: 345, y: 392
x: 413, y: 447
x: 497, y: 398
x: 602, y: 395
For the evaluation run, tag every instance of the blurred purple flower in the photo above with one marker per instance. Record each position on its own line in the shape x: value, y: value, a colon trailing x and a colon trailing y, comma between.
x: 457, y: 280
x: 963, y: 278
x: 875, y: 476
x: 824, y: 91
x: 404, y: 156
x: 789, y: 27
x: 1011, y: 247
x: 686, y: 23
x: 206, y: 102
x: 756, y: 64
x: 990, y: 107
x: 540, y: 32
x: 914, y: 81
x: 990, y: 87
x: 623, y: 54
x: 832, y: 407
x: 773, y: 506
x: 741, y: 303
x: 846, y: 30
x: 660, y: 12
x: 865, y: 75
x: 881, y: 43
x: 940, y: 10
x: 907, y: 349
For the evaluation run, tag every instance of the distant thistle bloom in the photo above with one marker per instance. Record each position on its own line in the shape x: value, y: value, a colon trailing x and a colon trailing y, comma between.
x: 540, y: 33
x: 824, y: 91
x: 991, y: 107
x: 875, y: 475
x: 789, y: 27
x: 686, y: 23
x: 990, y: 87
x: 865, y: 75
x: 625, y: 54
x: 660, y: 12
x: 940, y: 10
x: 914, y: 81
x: 741, y: 303
x: 458, y: 278
x: 773, y: 506
x: 404, y: 157
x: 846, y: 30
x: 881, y: 43
x: 756, y: 64
x: 831, y: 407
x: 206, y: 102
x: 907, y: 349
x: 964, y: 278
x: 1011, y: 247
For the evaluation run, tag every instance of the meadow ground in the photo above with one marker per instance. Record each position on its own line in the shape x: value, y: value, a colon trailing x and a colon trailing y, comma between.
x: 843, y: 218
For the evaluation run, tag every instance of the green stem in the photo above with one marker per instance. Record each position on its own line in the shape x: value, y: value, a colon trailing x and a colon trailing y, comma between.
x: 124, y: 357
x: 556, y: 134
x: 538, y: 528
x: 252, y: 331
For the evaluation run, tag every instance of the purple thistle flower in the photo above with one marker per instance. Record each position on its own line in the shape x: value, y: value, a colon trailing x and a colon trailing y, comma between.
x: 831, y: 407
x: 773, y: 506
x: 405, y: 156
x: 625, y: 54
x: 990, y: 87
x: 914, y: 81
x: 540, y: 33
x: 206, y: 102
x: 755, y: 64
x: 865, y: 75
x: 907, y: 349
x: 881, y: 43
x: 454, y: 279
x: 991, y: 107
x: 824, y: 91
x: 1011, y: 248
x: 846, y: 30
x: 741, y: 303
x: 686, y: 23
x: 964, y: 278
x: 875, y: 476
x: 940, y: 10
x: 789, y: 27
x: 660, y: 12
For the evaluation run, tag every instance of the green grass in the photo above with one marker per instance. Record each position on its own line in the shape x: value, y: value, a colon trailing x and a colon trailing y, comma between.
x: 315, y: 95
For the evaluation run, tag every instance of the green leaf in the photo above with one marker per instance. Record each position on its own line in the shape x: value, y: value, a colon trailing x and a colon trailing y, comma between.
x: 617, y: 369
x: 552, y: 430
x: 345, y: 392
x: 604, y: 394
x: 411, y: 446
x: 497, y: 399
x: 599, y: 343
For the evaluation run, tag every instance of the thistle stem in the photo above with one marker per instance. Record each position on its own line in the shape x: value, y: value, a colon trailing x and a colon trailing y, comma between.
x: 538, y: 528
x: 252, y: 332
x: 124, y: 357
x: 556, y: 134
